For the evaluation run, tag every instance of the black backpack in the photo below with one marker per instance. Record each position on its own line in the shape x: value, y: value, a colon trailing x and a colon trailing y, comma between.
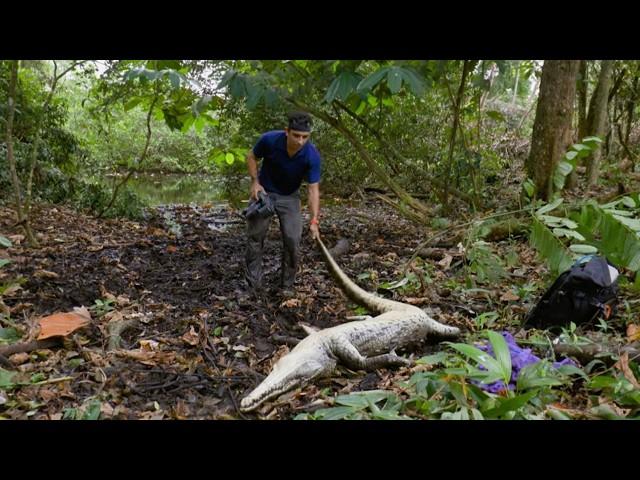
x: 579, y: 295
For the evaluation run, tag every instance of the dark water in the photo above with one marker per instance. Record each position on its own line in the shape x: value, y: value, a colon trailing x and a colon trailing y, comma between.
x: 163, y: 189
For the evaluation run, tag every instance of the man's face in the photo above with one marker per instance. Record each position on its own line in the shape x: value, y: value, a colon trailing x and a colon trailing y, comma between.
x: 296, y: 139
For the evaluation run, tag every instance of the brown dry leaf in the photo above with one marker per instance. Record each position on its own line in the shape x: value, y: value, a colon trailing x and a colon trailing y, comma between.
x: 633, y: 332
x: 149, y: 345
x: 151, y: 415
x: 15, y: 239
x: 623, y: 366
x: 95, y: 248
x: 292, y: 302
x: 19, y: 358
x: 47, y: 395
x: 62, y: 324
x: 172, y: 249
x: 122, y: 300
x: 509, y: 296
x: 417, y: 300
x: 191, y: 337
x: 181, y: 411
x: 445, y: 263
x: 45, y: 274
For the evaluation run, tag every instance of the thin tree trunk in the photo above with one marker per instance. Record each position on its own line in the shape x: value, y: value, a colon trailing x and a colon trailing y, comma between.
x: 38, y: 132
x: 515, y: 88
x: 466, y: 68
x: 582, y: 100
x: 142, y: 158
x: 599, y: 118
x: 554, y: 113
x: 23, y: 220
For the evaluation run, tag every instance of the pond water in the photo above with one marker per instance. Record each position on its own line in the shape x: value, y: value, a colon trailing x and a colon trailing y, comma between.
x: 162, y: 189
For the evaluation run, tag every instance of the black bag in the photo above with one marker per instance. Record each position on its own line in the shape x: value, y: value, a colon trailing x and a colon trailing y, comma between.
x: 579, y: 295
x: 263, y: 208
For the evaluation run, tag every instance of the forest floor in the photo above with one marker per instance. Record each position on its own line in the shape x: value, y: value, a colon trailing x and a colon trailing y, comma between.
x: 196, y: 342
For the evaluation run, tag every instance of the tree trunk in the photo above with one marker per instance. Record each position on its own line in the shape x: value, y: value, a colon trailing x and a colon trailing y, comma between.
x: 466, y: 68
x: 552, y: 125
x: 23, y: 220
x: 582, y: 100
x: 515, y: 88
x: 598, y: 118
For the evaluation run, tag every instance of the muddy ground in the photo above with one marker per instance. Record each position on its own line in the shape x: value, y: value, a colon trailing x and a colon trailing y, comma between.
x: 198, y: 342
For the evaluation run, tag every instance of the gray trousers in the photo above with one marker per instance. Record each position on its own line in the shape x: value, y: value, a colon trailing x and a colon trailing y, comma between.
x: 288, y: 210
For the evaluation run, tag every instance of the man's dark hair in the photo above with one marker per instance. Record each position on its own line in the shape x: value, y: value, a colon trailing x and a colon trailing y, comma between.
x: 300, y: 121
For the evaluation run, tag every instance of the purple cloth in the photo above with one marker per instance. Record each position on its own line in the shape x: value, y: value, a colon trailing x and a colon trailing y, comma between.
x: 520, y: 358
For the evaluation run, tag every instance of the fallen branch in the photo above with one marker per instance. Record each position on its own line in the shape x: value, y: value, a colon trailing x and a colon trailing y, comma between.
x: 586, y: 353
x: 9, y: 350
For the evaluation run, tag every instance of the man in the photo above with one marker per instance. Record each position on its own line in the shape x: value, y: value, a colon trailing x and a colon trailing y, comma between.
x: 288, y: 159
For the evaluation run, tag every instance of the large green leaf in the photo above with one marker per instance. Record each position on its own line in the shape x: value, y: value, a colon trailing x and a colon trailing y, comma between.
x: 483, y: 358
x: 5, y: 242
x: 501, y: 350
x: 342, y: 86
x: 549, y: 206
x: 510, y: 404
x: 394, y: 79
x: 550, y: 247
x: 614, y: 235
x: 416, y: 84
x: 372, y: 80
x: 4, y: 261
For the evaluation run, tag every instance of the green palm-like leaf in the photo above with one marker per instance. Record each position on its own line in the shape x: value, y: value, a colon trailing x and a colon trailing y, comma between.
x: 372, y: 80
x: 501, y: 350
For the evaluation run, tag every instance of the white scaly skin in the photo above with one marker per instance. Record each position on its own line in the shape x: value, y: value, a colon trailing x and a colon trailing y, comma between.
x: 361, y: 345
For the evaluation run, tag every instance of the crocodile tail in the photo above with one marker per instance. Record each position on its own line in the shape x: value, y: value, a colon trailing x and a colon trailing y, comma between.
x: 357, y: 294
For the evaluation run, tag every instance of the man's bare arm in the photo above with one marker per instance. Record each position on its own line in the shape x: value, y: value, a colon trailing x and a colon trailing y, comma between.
x: 314, y: 206
x: 252, y: 166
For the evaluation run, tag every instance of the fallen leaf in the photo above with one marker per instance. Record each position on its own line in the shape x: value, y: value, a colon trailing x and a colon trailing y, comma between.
x: 47, y: 395
x: 172, y: 249
x: 191, y: 337
x: 633, y: 332
x: 240, y: 348
x: 445, y: 263
x: 19, y: 358
x: 62, y: 324
x: 149, y: 345
x: 417, y: 300
x: 509, y: 296
x: 16, y: 239
x: 292, y: 302
x: 623, y: 365
x: 106, y: 410
x: 45, y: 274
x: 95, y: 248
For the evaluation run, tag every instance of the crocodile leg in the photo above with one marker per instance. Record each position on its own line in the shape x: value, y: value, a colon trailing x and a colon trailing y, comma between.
x: 352, y: 358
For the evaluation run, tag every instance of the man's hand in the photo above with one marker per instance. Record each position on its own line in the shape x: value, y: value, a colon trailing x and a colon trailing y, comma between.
x: 315, y: 231
x: 255, y: 188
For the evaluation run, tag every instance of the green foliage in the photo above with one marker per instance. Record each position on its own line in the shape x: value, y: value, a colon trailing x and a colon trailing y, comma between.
x: 615, y: 229
x: 102, y: 306
x: 486, y: 265
x: 9, y: 335
x: 369, y: 405
x: 546, y: 233
x: 88, y: 411
x: 571, y: 158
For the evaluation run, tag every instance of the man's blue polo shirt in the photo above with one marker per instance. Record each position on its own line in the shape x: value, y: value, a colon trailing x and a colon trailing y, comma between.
x: 281, y: 174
